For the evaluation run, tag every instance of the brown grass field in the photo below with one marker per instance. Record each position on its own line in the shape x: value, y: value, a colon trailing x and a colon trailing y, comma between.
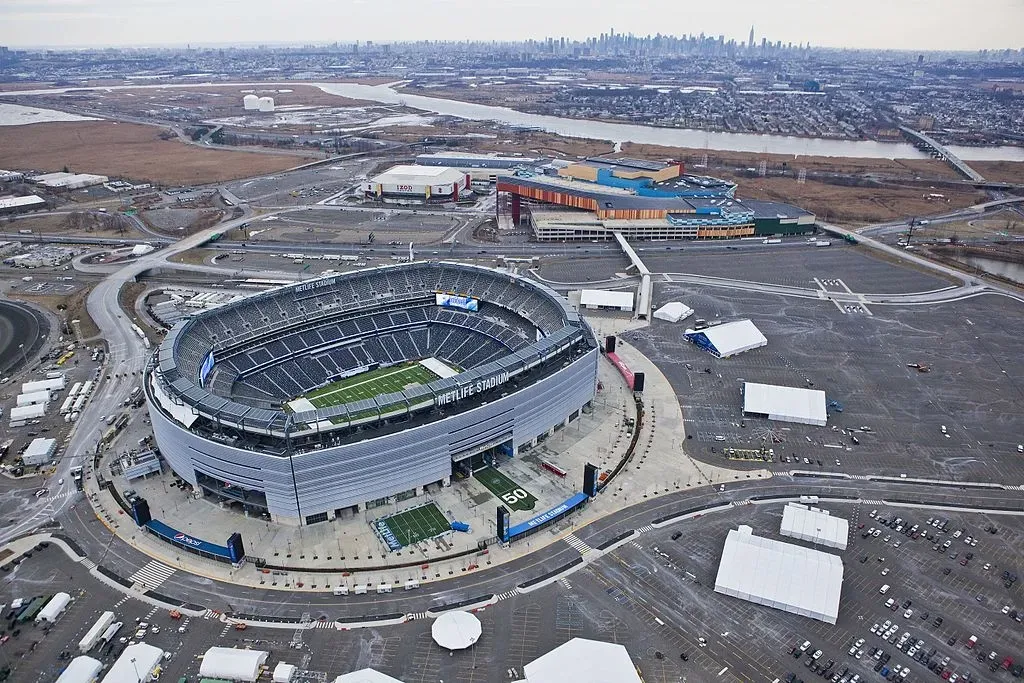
x: 129, y: 151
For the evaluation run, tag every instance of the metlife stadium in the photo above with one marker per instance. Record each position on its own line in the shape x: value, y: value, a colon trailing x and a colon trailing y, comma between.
x: 237, y: 393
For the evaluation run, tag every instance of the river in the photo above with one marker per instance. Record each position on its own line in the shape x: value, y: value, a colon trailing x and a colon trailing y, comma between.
x: 669, y: 137
x: 600, y: 130
x: 1006, y: 269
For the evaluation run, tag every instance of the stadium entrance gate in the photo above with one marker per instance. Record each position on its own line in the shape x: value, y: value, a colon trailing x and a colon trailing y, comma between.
x: 487, y: 454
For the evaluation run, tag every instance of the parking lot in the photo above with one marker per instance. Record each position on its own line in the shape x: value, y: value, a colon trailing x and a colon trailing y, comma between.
x: 861, y: 362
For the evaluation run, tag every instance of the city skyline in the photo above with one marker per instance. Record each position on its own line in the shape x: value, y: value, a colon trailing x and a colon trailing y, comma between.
x: 945, y: 25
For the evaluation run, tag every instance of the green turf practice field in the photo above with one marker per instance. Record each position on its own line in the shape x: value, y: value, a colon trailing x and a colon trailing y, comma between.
x: 415, y: 525
x: 507, y: 491
x: 370, y: 384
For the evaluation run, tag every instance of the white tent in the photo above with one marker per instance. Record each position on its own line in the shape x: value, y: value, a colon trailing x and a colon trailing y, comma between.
x: 55, y: 384
x: 728, y: 339
x: 673, y: 312
x: 232, y: 664
x: 814, y: 525
x: 141, y: 249
x: 785, y: 404
x: 602, y: 298
x: 81, y: 670
x: 583, y: 661
x: 33, y: 398
x: 456, y: 630
x: 135, y: 664
x: 54, y: 608
x: 366, y: 676
x: 781, y: 575
x: 283, y: 672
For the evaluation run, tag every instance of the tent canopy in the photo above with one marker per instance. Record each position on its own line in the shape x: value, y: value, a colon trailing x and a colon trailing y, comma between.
x: 232, y: 663
x: 785, y: 404
x: 814, y: 525
x: 728, y: 339
x: 456, y: 630
x: 366, y: 676
x: 583, y: 661
x: 673, y: 312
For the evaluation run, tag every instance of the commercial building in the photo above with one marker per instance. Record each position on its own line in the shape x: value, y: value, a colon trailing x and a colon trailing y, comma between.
x: 68, y: 181
x: 135, y: 665
x: 594, y: 198
x: 781, y: 575
x: 39, y: 452
x: 233, y: 664
x: 20, y: 204
x: 606, y: 300
x: 785, y: 404
x: 405, y: 184
x: 81, y: 670
x: 727, y: 339
x: 814, y: 525
x: 480, y: 167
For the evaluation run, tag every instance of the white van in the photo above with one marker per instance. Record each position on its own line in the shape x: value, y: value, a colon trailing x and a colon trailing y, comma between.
x: 341, y: 590
x: 384, y: 588
x: 360, y: 589
x: 411, y: 584
x: 884, y: 589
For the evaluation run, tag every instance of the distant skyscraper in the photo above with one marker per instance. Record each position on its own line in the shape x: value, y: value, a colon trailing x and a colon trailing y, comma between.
x: 750, y: 41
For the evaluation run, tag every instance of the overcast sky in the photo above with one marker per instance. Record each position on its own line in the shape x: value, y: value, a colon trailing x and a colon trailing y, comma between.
x: 909, y: 24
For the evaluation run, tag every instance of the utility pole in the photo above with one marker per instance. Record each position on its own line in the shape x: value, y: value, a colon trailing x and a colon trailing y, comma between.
x: 910, y: 232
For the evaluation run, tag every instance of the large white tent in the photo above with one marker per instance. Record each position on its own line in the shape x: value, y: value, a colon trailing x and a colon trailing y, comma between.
x: 595, y: 299
x: 456, y: 630
x: 673, y: 312
x: 54, y: 608
x: 135, y: 664
x: 284, y: 672
x: 583, y: 661
x: 81, y: 670
x: 814, y: 525
x: 781, y: 575
x: 365, y: 676
x: 232, y: 664
x: 785, y: 404
x: 728, y: 339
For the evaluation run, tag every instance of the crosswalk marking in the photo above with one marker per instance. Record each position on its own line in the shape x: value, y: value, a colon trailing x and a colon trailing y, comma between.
x: 645, y: 528
x: 507, y: 595
x: 418, y: 615
x: 152, y: 575
x: 330, y: 624
x: 578, y: 544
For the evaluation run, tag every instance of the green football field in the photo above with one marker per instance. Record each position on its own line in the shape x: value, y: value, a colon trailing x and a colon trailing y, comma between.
x: 507, y: 491
x: 370, y: 384
x: 417, y: 524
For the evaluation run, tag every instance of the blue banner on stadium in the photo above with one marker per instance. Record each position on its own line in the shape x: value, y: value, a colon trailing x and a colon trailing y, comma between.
x: 386, y: 535
x: 551, y: 515
x: 466, y: 303
x: 204, y: 371
x: 188, y: 542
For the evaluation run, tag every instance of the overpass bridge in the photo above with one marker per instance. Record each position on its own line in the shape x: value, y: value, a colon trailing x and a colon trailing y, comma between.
x: 926, y: 142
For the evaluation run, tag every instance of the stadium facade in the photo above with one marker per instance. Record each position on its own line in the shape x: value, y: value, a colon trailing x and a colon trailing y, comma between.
x: 595, y: 198
x: 220, y: 385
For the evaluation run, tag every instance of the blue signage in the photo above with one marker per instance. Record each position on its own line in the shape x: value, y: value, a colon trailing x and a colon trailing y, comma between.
x: 548, y: 516
x: 386, y: 535
x: 188, y: 542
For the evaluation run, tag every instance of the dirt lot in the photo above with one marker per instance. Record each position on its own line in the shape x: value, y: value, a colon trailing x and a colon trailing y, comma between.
x: 78, y: 223
x: 1001, y: 171
x: 71, y: 307
x: 129, y: 151
x: 169, y: 221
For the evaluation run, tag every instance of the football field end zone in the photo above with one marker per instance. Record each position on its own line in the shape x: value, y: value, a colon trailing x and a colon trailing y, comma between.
x: 504, y: 489
x: 420, y: 523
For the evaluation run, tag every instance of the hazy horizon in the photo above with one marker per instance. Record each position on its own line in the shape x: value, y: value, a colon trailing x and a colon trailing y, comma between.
x: 941, y: 25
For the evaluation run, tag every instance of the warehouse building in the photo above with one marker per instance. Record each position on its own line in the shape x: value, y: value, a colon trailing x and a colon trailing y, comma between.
x: 39, y: 452
x: 814, y: 526
x: 418, y: 184
x: 785, y: 404
x: 68, y: 181
x: 781, y: 575
x: 727, y: 339
x: 10, y: 205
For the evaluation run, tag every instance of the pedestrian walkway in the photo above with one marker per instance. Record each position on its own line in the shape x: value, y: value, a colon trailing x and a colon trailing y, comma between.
x: 152, y: 575
x: 577, y: 543
x: 507, y: 595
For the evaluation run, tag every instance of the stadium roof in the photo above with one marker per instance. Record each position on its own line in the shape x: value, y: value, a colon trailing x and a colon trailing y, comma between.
x: 583, y: 661
x: 728, y: 339
x: 780, y: 575
x: 606, y: 298
x: 814, y: 525
x: 785, y: 404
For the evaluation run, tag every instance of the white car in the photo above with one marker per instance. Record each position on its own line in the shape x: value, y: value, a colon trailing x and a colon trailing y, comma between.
x: 987, y: 566
x: 1006, y: 609
x: 859, y: 643
x: 909, y: 613
x: 885, y: 571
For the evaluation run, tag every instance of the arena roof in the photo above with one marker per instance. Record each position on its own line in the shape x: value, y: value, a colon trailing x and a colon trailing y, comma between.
x: 780, y: 575
x: 418, y: 175
x: 583, y: 661
x: 785, y: 404
x: 814, y: 525
x: 728, y: 339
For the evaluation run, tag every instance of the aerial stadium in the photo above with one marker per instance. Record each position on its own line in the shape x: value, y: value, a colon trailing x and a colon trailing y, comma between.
x: 341, y: 393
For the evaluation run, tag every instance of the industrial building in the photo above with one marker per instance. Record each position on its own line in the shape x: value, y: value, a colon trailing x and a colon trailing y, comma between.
x: 418, y: 184
x: 594, y: 198
x: 19, y: 204
x: 727, y: 339
x: 480, y: 167
x: 68, y: 181
x: 39, y: 452
x: 780, y: 575
x: 814, y: 525
x: 785, y: 404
